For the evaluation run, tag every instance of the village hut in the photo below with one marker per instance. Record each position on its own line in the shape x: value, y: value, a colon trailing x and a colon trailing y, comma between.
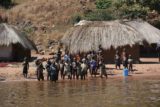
x: 110, y: 35
x: 14, y: 45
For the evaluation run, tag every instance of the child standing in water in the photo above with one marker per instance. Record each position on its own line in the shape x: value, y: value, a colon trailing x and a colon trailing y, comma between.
x: 102, y: 69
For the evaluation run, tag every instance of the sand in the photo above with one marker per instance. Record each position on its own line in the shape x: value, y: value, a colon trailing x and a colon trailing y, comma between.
x: 13, y: 71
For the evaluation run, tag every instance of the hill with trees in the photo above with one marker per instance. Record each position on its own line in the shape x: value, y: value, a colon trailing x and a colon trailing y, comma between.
x: 45, y: 20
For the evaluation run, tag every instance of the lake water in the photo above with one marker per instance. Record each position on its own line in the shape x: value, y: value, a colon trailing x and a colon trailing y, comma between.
x: 119, y: 92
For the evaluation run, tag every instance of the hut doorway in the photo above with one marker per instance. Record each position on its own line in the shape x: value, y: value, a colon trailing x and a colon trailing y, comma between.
x: 109, y: 55
x: 6, y: 52
x: 148, y: 51
x: 19, y: 52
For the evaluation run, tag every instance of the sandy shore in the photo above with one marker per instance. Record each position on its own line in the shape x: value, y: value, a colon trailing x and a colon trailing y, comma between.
x: 13, y: 71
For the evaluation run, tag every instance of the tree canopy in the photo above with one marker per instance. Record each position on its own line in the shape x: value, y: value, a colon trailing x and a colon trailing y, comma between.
x: 119, y: 9
x: 6, y: 3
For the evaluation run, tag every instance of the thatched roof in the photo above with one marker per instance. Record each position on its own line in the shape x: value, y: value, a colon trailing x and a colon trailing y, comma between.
x: 149, y: 32
x: 11, y: 35
x: 89, y: 35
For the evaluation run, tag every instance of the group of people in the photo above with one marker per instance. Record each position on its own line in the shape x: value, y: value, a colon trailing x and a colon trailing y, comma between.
x: 124, y: 59
x: 72, y: 66
x: 77, y: 66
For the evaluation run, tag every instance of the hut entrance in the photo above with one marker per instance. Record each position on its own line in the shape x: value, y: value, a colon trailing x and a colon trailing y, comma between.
x: 19, y: 52
x: 109, y: 55
x: 148, y: 51
x: 6, y: 52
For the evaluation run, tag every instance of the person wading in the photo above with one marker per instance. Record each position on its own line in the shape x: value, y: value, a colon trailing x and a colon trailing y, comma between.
x: 48, y: 69
x: 74, y: 68
x: 61, y: 68
x: 39, y: 71
x: 67, y: 70
x: 83, y: 69
x: 93, y: 67
x: 102, y: 69
x: 53, y: 72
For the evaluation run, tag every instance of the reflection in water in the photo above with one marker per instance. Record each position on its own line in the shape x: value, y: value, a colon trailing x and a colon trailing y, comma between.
x: 125, y: 92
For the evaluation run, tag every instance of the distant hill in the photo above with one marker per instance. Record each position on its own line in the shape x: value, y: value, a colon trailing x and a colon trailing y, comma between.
x: 44, y: 19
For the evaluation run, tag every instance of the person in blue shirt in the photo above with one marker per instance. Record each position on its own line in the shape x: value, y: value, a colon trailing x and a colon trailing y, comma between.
x: 66, y: 58
x: 93, y: 67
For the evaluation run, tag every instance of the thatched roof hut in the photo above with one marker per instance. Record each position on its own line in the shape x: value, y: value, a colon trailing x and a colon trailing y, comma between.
x: 14, y: 45
x: 89, y: 35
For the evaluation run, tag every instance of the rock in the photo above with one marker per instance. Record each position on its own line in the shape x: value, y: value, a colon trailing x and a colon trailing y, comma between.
x: 38, y: 43
x: 42, y: 52
x: 51, y: 53
x: 52, y: 43
x: 51, y: 47
x: 39, y: 48
x: 2, y: 78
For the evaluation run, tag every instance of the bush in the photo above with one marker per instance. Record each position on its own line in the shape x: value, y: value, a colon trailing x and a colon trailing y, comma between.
x: 133, y: 11
x: 76, y: 18
x: 153, y: 4
x: 103, y: 4
x: 98, y: 15
x: 6, y: 3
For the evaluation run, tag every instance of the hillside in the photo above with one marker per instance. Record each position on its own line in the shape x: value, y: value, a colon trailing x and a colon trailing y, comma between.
x: 44, y: 20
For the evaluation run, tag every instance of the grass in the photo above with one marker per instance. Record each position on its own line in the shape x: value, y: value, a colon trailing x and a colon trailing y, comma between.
x: 51, y: 18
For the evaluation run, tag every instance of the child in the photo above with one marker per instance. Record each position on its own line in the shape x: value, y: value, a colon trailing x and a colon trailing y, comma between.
x: 130, y: 62
x: 117, y: 60
x: 125, y: 58
x: 25, y: 67
x: 102, y: 69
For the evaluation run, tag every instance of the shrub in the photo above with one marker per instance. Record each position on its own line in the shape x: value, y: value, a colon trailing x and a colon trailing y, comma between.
x: 133, y: 11
x: 6, y: 3
x: 76, y: 18
x: 98, y: 15
x: 103, y: 4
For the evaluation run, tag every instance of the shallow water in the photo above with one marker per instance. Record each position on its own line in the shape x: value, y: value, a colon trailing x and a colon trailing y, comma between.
x: 119, y: 92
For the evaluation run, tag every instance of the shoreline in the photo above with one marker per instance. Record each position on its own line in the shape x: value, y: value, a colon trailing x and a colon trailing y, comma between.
x: 14, y: 72
x: 115, y: 75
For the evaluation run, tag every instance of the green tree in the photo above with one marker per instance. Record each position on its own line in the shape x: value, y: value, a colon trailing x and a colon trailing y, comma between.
x: 103, y: 4
x: 152, y: 4
x: 6, y: 3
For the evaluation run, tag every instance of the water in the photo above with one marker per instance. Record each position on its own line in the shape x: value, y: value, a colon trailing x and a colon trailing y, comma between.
x: 120, y: 92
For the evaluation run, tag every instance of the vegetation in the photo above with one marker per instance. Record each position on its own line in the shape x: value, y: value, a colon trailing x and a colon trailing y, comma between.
x: 103, y: 4
x: 99, y: 15
x: 76, y: 18
x: 120, y: 9
x: 6, y: 3
x: 54, y: 17
x: 152, y: 4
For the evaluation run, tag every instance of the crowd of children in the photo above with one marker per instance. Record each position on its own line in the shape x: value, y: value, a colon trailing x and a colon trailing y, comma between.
x: 77, y: 66
x: 72, y: 66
